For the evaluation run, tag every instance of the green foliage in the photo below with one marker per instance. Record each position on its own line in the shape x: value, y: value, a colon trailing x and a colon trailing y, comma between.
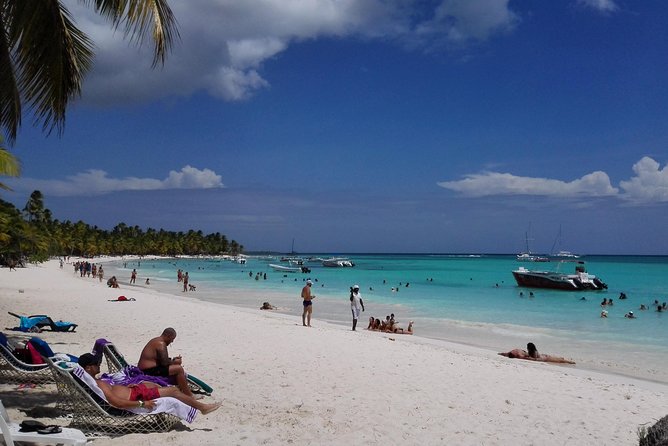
x: 34, y: 236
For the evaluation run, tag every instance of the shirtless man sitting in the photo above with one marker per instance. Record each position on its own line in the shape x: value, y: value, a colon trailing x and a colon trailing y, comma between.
x: 140, y: 395
x: 154, y: 360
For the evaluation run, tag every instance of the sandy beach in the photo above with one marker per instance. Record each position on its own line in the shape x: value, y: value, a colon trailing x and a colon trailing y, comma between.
x: 281, y: 383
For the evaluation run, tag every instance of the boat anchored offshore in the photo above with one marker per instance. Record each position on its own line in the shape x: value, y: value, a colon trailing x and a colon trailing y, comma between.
x: 580, y: 281
x: 290, y: 269
x: 338, y: 262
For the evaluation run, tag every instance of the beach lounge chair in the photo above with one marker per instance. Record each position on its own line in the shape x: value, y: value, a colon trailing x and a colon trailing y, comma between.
x: 17, y: 370
x: 38, y: 322
x: 92, y: 413
x: 11, y: 433
x: 116, y: 361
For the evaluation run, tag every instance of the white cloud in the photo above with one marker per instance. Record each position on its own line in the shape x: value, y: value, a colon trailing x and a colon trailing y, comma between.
x: 97, y: 182
x: 465, y: 20
x: 225, y: 42
x: 595, y: 184
x: 605, y: 6
x: 649, y: 185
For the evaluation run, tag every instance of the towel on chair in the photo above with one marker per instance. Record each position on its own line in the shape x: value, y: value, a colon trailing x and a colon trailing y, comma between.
x: 162, y: 405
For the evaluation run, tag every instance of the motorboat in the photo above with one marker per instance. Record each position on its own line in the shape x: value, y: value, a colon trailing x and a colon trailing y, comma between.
x: 290, y: 269
x: 337, y: 262
x: 580, y: 281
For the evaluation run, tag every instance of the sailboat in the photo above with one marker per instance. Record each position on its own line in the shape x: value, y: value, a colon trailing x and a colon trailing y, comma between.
x: 561, y: 253
x: 527, y: 256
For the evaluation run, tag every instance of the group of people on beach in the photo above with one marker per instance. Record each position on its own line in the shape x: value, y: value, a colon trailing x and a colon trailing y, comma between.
x: 154, y: 361
x: 389, y: 325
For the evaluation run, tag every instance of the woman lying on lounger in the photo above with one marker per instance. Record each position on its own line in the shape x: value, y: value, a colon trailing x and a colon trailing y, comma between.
x: 531, y: 354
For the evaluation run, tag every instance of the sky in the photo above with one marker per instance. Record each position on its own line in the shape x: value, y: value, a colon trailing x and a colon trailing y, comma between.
x: 350, y: 126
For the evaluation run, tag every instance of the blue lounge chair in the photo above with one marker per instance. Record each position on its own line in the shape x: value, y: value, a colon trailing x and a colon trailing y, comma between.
x: 38, y: 322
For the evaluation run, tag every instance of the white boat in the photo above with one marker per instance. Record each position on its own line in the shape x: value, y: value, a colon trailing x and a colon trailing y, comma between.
x: 562, y: 254
x: 286, y: 269
x: 338, y: 262
x: 567, y: 254
x: 290, y: 269
x: 527, y: 256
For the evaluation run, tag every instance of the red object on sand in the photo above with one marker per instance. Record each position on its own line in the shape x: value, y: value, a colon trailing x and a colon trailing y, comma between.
x: 122, y: 298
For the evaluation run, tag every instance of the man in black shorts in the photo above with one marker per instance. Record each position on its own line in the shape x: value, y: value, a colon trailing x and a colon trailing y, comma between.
x: 154, y: 360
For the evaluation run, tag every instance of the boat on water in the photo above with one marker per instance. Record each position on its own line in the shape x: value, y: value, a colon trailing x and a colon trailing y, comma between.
x: 527, y: 256
x: 567, y: 254
x: 338, y: 262
x: 581, y: 280
x: 290, y: 269
x: 561, y: 253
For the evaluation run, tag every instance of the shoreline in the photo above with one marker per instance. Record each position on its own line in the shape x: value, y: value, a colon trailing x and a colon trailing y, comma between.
x: 631, y: 360
x: 280, y: 382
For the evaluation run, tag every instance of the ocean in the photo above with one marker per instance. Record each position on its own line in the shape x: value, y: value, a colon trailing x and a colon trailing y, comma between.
x: 470, y: 299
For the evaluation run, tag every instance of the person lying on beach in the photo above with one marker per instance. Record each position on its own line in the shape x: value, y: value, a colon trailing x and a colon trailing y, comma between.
x: 154, y: 360
x: 531, y: 354
x: 267, y: 306
x: 399, y: 330
x: 122, y: 299
x: 138, y: 395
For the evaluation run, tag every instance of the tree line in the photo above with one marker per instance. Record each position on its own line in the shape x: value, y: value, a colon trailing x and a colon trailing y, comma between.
x: 33, y: 235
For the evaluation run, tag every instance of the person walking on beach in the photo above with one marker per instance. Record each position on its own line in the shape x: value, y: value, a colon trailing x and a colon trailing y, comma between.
x: 185, y: 282
x: 308, y: 304
x: 356, y: 304
x: 133, y: 276
x: 154, y: 360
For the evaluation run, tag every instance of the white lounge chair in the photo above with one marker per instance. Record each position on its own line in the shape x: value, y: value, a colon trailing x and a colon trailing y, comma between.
x: 11, y: 433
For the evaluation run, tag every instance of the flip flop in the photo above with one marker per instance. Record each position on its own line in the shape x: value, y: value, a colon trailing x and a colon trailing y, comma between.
x: 31, y: 426
x: 52, y: 429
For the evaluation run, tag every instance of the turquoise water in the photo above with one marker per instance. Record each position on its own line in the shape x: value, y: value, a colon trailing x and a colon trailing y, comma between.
x: 450, y: 293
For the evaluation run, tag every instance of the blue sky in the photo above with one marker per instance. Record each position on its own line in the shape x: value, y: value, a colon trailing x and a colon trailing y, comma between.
x: 374, y: 126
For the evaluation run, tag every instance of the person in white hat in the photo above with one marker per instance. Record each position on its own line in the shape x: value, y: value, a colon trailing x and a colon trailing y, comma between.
x: 308, y: 304
x: 630, y: 315
x: 356, y: 304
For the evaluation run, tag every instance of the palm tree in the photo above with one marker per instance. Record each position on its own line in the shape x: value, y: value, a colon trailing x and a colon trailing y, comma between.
x: 44, y: 57
x: 9, y: 165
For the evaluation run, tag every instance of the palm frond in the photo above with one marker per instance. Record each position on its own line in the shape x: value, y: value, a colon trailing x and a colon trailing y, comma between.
x: 142, y: 18
x: 9, y: 165
x: 10, y: 99
x: 52, y: 56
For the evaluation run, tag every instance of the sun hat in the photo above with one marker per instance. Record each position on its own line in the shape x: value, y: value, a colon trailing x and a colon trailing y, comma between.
x: 308, y: 282
x: 356, y: 287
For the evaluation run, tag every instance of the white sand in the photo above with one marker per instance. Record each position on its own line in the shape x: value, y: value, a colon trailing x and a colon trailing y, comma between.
x: 281, y: 383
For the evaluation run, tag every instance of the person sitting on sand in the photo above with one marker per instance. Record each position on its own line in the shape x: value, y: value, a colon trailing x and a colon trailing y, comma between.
x: 372, y: 322
x: 267, y: 306
x: 154, y: 360
x: 140, y: 395
x: 531, y: 354
x: 112, y: 282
